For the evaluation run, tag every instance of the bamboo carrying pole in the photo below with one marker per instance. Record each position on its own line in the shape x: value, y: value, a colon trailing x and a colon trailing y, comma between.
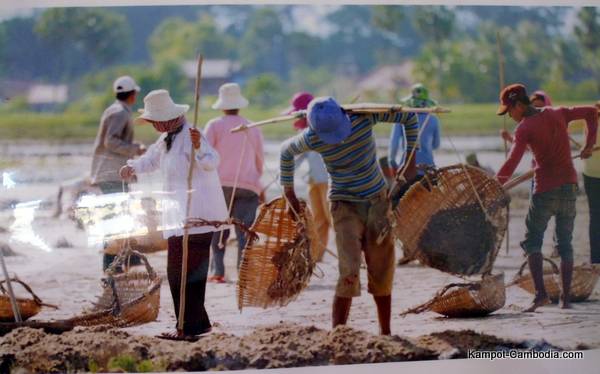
x: 351, y: 108
x: 528, y: 175
x: 188, y: 205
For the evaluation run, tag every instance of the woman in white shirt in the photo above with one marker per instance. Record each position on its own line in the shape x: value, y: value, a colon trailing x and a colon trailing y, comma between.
x: 171, y: 155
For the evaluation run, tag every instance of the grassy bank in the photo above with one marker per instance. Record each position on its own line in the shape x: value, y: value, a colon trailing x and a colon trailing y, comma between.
x: 465, y: 119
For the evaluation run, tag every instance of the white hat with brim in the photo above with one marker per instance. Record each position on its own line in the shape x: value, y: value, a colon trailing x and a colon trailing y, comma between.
x: 158, y: 106
x: 230, y: 97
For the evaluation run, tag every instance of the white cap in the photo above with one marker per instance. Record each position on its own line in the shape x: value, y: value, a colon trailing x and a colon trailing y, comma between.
x: 230, y: 97
x: 125, y: 84
x: 158, y: 106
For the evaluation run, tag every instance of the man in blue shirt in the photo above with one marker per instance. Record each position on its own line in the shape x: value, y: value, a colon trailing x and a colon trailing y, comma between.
x: 429, y: 140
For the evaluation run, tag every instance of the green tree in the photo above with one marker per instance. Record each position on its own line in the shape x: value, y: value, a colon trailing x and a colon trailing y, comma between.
x: 100, y: 34
x: 176, y: 38
x: 266, y: 90
x: 261, y: 46
x: 436, y: 25
x: 588, y: 35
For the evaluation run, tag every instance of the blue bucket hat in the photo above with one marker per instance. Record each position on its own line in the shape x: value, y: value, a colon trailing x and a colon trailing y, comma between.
x: 328, y: 120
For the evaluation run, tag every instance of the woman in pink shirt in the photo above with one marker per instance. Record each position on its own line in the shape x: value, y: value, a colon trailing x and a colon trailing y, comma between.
x: 241, y: 167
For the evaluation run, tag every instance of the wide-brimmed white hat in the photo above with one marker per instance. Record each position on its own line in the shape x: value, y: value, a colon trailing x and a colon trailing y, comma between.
x: 230, y: 97
x: 125, y: 84
x: 158, y: 106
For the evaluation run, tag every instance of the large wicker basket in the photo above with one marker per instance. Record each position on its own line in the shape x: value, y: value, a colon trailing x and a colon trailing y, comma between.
x: 461, y: 300
x: 276, y: 267
x: 584, y: 280
x: 453, y: 220
x: 27, y: 307
x: 128, y: 299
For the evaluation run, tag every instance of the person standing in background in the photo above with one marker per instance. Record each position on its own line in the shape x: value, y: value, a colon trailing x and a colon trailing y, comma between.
x: 591, y: 183
x: 241, y: 167
x: 114, y: 145
x: 429, y: 139
x: 318, y: 178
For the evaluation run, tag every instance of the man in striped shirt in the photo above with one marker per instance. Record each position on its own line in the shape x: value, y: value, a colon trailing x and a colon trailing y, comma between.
x: 359, y: 205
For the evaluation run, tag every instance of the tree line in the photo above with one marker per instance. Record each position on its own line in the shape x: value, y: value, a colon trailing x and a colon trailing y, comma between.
x: 455, y: 49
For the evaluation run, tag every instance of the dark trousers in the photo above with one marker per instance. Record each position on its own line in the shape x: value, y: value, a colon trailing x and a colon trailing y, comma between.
x: 245, y: 203
x: 592, y: 190
x: 560, y: 203
x: 195, y: 317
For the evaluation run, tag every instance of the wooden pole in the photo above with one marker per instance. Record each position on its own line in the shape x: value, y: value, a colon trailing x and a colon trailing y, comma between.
x: 351, y: 108
x: 184, y: 259
x: 529, y: 174
x: 11, y: 294
x: 502, y: 84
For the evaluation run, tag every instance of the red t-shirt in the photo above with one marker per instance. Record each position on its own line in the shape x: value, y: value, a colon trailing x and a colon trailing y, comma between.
x: 546, y: 134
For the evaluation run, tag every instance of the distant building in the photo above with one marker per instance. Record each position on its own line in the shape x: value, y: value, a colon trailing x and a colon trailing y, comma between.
x: 387, y: 80
x: 44, y: 97
x: 39, y: 97
x: 214, y: 73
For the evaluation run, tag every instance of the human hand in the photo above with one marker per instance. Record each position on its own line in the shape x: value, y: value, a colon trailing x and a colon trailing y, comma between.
x: 261, y: 197
x: 586, y: 152
x: 292, y: 200
x: 195, y: 134
x: 127, y: 172
x: 141, y: 150
x: 506, y: 135
x: 411, y: 170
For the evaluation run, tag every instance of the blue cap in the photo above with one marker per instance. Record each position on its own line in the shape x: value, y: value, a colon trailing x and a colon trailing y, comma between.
x: 328, y: 120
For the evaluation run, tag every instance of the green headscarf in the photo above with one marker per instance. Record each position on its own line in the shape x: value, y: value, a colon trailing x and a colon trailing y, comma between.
x: 419, y: 97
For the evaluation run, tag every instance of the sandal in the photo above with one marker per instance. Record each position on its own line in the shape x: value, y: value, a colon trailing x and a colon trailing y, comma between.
x: 181, y: 336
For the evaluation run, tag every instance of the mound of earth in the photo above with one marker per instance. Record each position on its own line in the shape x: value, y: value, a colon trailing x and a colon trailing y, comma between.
x: 283, y: 345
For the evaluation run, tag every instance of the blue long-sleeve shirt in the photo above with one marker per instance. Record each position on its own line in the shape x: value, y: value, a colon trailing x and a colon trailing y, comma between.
x: 429, y: 140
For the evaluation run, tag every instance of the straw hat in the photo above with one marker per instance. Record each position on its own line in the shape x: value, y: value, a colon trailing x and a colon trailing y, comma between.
x: 230, y: 97
x: 158, y: 106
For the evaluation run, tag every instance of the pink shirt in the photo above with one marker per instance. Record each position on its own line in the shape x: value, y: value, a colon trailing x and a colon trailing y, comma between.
x: 230, y: 147
x: 547, y: 136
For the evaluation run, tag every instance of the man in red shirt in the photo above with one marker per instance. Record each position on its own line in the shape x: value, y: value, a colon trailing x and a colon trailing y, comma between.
x: 544, y: 130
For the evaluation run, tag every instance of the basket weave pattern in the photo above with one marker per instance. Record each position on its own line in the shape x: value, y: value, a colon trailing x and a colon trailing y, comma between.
x: 27, y: 308
x: 584, y: 280
x: 276, y: 267
x: 128, y: 299
x: 441, y: 223
x: 460, y: 300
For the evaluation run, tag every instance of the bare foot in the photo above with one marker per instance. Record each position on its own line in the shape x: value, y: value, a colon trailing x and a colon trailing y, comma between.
x: 537, y: 302
x: 404, y: 261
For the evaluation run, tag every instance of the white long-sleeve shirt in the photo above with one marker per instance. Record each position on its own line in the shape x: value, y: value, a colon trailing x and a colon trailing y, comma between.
x: 207, y: 197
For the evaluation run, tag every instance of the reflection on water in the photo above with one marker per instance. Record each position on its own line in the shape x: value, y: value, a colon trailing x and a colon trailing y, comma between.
x: 22, y: 228
x: 122, y: 215
x: 7, y: 181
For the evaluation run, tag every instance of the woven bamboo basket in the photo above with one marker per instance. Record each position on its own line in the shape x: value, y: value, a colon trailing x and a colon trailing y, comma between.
x: 584, y: 280
x: 277, y: 267
x: 128, y: 299
x: 27, y: 307
x: 462, y: 300
x: 453, y: 220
